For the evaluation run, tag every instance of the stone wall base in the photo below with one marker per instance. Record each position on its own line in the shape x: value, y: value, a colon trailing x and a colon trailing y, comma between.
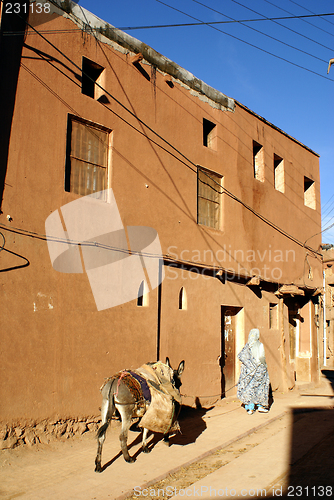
x: 45, y: 432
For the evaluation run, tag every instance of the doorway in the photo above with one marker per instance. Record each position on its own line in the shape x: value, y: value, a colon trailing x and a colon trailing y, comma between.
x: 229, y: 328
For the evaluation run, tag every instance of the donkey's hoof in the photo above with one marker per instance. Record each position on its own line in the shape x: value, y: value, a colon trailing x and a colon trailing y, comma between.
x: 98, y: 468
x: 146, y: 449
x: 130, y: 460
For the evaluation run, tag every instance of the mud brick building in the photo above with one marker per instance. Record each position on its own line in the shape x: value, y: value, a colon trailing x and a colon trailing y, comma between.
x: 233, y: 199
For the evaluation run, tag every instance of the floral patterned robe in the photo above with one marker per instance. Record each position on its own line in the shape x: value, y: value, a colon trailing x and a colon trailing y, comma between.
x: 253, y: 385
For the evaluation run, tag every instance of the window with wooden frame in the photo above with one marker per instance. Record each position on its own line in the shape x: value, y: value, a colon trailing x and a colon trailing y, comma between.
x: 86, y: 169
x: 209, y: 194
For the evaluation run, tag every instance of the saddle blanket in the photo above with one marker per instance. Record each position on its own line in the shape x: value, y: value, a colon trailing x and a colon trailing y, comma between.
x: 151, y: 386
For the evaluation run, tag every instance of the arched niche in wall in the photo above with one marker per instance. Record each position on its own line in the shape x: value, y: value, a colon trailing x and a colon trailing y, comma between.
x: 183, y: 299
x: 142, y: 300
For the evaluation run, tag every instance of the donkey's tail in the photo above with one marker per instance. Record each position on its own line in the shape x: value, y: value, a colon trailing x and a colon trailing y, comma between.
x: 107, y: 409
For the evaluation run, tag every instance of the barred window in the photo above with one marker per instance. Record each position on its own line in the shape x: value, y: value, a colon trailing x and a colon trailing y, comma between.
x: 86, y: 169
x: 209, y: 198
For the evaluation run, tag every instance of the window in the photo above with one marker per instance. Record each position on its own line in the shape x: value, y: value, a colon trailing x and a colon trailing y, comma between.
x: 273, y: 316
x: 293, y: 331
x: 209, y: 198
x: 209, y: 134
x: 142, y: 300
x: 309, y: 193
x: 279, y: 173
x: 91, y: 73
x: 182, y: 299
x: 258, y: 161
x: 86, y: 169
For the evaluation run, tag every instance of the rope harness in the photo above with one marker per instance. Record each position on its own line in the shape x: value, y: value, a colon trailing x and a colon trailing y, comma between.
x: 252, y: 374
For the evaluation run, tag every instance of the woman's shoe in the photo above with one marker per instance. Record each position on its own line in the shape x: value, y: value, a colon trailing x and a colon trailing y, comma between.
x: 250, y: 412
x: 262, y: 409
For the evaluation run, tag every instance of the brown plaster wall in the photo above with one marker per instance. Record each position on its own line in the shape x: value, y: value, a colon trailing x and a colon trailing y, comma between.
x: 57, y: 348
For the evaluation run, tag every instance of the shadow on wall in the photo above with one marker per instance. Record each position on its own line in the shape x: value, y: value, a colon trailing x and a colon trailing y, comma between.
x: 10, y: 60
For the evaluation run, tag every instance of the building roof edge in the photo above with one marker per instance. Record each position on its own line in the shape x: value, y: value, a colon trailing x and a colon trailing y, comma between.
x: 275, y: 127
x: 88, y: 21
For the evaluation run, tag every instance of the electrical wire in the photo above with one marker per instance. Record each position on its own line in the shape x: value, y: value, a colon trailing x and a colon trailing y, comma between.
x: 3, y: 242
x: 250, y: 44
x: 288, y: 12
x: 279, y: 24
x: 320, y: 232
x: 192, y: 165
x: 167, y: 258
x: 328, y: 212
x: 230, y: 21
x: 302, y: 6
x: 265, y: 34
x: 271, y: 37
x: 327, y: 201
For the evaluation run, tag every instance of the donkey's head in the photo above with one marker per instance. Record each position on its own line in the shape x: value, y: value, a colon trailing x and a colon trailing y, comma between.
x: 176, y: 373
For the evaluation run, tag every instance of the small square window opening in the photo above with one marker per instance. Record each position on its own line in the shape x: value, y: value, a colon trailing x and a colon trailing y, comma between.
x: 273, y: 316
x: 279, y: 173
x: 309, y: 193
x: 209, y: 134
x: 91, y: 74
x: 258, y: 161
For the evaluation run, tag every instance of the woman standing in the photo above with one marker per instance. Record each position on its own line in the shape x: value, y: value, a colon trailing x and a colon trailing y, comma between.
x: 253, y: 385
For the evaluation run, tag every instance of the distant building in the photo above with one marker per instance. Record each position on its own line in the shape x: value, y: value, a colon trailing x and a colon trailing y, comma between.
x: 233, y: 200
x: 327, y: 351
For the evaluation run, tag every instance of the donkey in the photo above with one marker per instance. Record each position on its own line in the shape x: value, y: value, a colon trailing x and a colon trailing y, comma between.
x: 117, y: 395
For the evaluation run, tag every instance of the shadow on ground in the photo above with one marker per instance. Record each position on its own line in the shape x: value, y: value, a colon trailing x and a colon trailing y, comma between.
x: 311, y: 459
x: 191, y: 427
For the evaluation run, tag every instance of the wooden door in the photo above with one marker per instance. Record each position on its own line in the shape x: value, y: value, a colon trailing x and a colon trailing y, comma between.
x: 227, y: 360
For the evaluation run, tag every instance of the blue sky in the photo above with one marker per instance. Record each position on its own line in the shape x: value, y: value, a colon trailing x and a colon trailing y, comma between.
x: 291, y: 90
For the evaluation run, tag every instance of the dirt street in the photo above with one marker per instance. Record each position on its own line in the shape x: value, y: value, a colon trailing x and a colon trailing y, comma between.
x: 289, y: 447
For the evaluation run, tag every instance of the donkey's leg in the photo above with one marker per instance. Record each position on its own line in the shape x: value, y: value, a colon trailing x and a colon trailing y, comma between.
x: 144, y: 442
x: 107, y: 410
x: 126, y: 412
x: 166, y: 439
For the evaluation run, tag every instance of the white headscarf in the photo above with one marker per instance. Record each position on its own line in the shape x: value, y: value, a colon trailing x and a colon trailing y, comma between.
x: 256, y: 346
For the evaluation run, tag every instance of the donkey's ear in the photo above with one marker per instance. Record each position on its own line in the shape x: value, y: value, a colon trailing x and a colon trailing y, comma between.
x: 180, y: 368
x: 168, y: 362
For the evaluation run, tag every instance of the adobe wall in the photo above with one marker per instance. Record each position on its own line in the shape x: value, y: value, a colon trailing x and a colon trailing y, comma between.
x: 56, y: 347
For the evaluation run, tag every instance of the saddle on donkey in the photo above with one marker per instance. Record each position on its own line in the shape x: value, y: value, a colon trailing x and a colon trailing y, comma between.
x: 158, y: 401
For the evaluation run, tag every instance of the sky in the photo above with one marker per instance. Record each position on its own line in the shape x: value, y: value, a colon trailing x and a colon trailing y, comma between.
x: 277, y: 68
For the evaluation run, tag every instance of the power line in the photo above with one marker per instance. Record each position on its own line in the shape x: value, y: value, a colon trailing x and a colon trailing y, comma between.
x: 311, y: 24
x: 269, y: 36
x: 250, y: 44
x: 302, y: 6
x: 328, y: 209
x: 279, y: 24
x: 230, y: 21
x: 323, y: 207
